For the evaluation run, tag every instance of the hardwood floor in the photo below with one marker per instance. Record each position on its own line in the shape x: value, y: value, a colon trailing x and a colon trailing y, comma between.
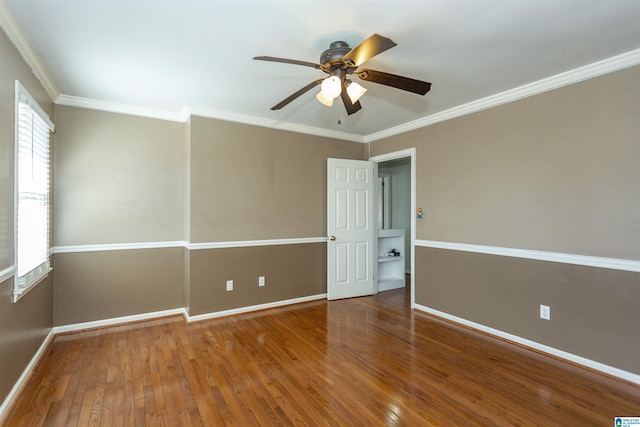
x: 363, y: 361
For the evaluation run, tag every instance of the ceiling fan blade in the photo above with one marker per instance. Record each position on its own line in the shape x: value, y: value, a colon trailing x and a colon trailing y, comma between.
x: 287, y: 61
x: 399, y: 82
x: 348, y: 105
x: 369, y: 48
x: 296, y: 94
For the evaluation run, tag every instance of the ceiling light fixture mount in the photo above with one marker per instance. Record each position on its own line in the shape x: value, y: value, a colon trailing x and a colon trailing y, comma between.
x: 340, y: 61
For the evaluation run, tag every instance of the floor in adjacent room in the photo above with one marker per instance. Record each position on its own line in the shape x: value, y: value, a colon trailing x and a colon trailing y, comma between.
x: 360, y: 361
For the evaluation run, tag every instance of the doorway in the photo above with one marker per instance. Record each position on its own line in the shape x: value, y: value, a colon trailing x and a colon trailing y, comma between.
x: 394, y: 201
x: 396, y: 204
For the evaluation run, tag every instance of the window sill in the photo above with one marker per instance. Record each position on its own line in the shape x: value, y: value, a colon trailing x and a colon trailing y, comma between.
x: 19, y: 293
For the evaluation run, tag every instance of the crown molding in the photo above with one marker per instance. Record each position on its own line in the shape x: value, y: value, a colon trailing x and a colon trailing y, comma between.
x: 183, y: 116
x: 273, y: 124
x: 609, y: 65
x: 11, y: 28
x: 113, y: 107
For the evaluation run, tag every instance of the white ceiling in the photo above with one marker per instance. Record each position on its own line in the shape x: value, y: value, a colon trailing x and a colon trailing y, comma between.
x: 168, y: 54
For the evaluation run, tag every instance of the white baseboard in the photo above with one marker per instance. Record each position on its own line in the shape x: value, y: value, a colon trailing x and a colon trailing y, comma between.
x: 118, y: 320
x: 591, y: 364
x: 157, y: 314
x: 251, y: 308
x: 19, y: 385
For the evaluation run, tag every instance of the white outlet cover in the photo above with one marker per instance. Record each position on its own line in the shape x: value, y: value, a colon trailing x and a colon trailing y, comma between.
x: 229, y: 285
x: 545, y: 312
x: 261, y: 281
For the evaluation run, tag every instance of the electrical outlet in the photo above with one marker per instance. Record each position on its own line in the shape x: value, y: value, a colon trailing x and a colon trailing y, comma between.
x: 545, y: 312
x: 229, y: 285
x: 261, y: 281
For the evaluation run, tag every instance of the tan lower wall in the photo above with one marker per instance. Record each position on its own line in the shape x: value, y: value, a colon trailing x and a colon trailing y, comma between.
x: 101, y: 285
x: 594, y: 311
x: 23, y: 328
x: 291, y: 271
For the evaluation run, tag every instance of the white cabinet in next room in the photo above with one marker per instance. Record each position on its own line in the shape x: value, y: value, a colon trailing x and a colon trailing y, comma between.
x: 390, y: 259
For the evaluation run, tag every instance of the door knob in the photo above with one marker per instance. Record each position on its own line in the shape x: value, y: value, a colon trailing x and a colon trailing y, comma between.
x: 332, y: 238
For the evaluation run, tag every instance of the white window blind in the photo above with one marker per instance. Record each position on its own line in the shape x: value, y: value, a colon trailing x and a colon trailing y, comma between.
x: 32, y: 189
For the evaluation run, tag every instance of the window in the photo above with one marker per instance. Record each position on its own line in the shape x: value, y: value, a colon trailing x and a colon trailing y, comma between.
x: 32, y: 192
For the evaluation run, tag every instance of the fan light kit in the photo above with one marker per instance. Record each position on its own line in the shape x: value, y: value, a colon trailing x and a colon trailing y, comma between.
x: 340, y: 61
x: 331, y: 88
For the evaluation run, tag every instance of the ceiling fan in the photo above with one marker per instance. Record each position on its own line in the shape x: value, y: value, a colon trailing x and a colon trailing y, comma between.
x: 340, y: 62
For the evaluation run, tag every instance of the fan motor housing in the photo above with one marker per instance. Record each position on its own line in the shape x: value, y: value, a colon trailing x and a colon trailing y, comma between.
x: 334, y: 54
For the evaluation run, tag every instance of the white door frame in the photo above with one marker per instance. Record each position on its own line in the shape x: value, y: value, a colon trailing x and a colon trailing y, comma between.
x: 385, y: 209
x: 409, y: 152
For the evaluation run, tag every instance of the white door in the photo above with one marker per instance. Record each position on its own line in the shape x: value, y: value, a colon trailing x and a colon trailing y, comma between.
x: 351, y: 228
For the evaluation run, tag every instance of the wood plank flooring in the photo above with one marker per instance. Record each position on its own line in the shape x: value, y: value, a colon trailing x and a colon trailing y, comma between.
x: 357, y: 362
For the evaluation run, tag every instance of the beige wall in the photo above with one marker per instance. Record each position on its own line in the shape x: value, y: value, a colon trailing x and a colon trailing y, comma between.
x: 554, y: 172
x: 118, y: 178
x: 125, y: 179
x: 252, y: 183
x: 25, y: 324
x: 23, y: 328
